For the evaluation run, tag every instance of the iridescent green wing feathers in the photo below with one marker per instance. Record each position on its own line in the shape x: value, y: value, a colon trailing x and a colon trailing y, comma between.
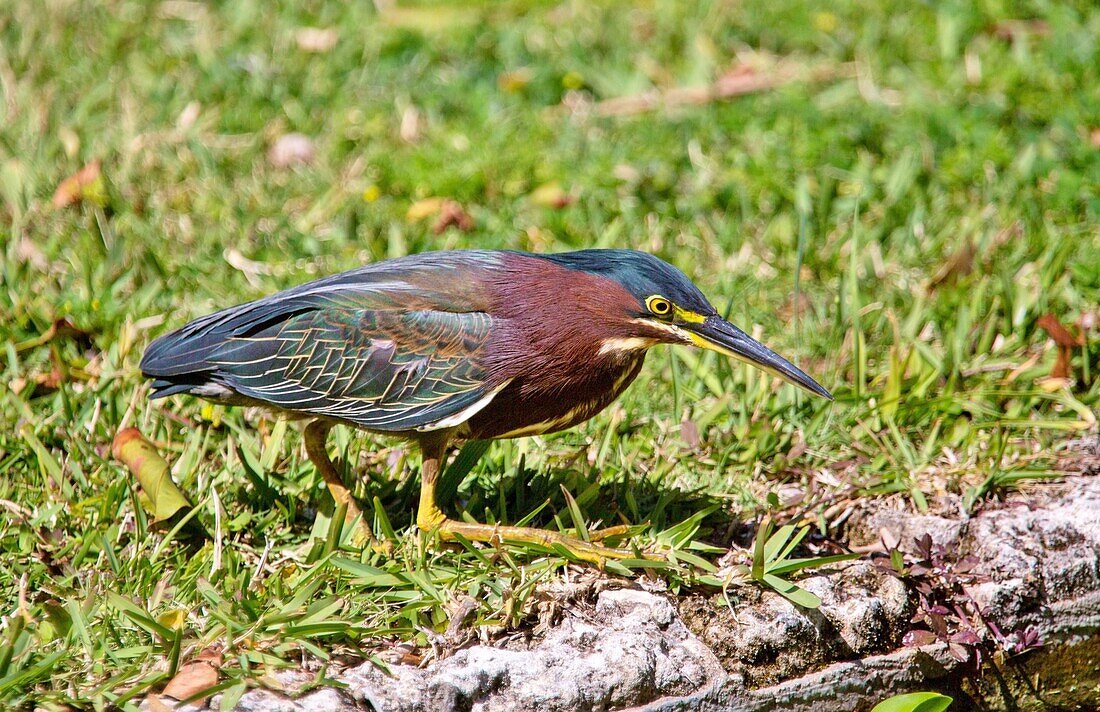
x: 394, y: 346
x: 382, y: 370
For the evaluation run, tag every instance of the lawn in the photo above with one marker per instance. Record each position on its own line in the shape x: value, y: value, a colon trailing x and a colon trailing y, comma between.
x: 906, y: 203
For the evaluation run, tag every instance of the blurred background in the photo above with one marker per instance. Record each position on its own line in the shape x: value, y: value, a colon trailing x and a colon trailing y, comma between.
x: 901, y: 196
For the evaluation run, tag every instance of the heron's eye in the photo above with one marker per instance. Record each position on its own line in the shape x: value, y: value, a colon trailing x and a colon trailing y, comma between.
x: 659, y: 306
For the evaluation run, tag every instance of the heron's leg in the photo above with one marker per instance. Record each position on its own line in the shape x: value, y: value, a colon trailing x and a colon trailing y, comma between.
x: 430, y: 517
x: 316, y: 433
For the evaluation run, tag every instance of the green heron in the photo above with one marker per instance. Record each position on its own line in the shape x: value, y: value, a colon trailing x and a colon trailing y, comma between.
x: 447, y: 346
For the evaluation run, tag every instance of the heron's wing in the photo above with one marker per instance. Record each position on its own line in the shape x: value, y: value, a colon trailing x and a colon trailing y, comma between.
x: 391, y: 371
x: 394, y: 345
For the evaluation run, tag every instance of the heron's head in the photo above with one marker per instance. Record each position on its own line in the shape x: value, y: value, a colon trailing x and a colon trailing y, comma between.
x: 669, y: 308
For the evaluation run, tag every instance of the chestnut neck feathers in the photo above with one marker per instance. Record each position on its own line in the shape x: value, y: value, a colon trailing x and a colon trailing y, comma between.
x: 552, y: 355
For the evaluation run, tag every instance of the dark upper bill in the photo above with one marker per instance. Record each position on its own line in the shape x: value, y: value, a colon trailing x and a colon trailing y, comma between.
x: 719, y: 335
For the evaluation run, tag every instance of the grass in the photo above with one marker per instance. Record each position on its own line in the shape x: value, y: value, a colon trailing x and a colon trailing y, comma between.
x: 898, y: 224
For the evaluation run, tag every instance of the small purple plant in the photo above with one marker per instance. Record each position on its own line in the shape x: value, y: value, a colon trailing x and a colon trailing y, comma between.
x: 945, y: 608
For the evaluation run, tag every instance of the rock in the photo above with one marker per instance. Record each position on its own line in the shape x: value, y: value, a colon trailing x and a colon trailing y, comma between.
x: 640, y: 650
x: 863, y: 610
x: 900, y: 528
x: 633, y: 650
x: 1041, y: 558
x: 322, y: 700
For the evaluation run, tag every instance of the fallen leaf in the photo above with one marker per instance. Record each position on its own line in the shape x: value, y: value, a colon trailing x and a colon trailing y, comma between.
x: 316, y: 40
x: 195, y: 676
x: 1053, y: 384
x: 174, y: 619
x: 1064, y: 341
x: 291, y: 149
x: 423, y: 208
x: 960, y: 264
x: 451, y: 214
x: 1059, y: 333
x: 409, y: 131
x: 30, y: 253
x: 689, y: 432
x: 162, y: 497
x: 515, y: 81
x: 792, y: 308
x: 249, y: 268
x: 188, y: 116
x: 737, y: 81
x: 551, y: 195
x: 69, y: 141
x: 85, y: 184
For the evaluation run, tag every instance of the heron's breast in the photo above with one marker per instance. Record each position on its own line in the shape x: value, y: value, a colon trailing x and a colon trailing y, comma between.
x: 540, y: 404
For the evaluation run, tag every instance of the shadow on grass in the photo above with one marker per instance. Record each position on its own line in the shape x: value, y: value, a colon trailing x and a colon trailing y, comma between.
x: 538, y: 498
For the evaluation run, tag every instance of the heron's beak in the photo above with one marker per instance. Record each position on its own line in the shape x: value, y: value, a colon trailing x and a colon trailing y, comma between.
x: 717, y: 334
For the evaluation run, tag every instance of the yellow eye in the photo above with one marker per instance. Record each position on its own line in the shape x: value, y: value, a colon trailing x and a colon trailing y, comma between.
x: 659, y: 306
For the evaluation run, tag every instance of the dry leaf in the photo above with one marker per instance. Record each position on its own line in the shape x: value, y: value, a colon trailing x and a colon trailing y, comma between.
x: 423, y: 208
x: 515, y: 81
x: 960, y: 264
x: 316, y: 39
x: 162, y: 497
x: 792, y: 308
x: 1052, y: 384
x: 84, y: 184
x: 174, y: 619
x: 249, y: 268
x: 194, y: 677
x: 69, y: 140
x: 1059, y: 333
x: 30, y: 253
x: 737, y: 81
x: 689, y: 432
x: 1065, y: 343
x: 291, y: 149
x: 188, y: 116
x: 410, y: 125
x: 451, y: 214
x: 551, y: 195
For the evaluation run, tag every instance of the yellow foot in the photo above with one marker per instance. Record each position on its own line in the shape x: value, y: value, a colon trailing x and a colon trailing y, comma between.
x: 495, y: 533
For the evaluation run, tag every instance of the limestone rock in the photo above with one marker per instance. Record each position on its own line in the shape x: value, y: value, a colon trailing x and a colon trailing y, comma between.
x: 635, y: 649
